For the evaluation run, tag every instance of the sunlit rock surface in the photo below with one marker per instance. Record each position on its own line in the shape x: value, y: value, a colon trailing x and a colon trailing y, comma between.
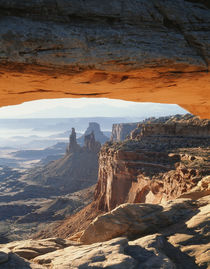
x: 164, y: 159
x: 157, y: 51
x: 172, y: 235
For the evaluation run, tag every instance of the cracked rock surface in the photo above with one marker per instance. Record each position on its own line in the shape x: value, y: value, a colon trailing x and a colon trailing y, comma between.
x: 174, y: 235
x: 159, y: 50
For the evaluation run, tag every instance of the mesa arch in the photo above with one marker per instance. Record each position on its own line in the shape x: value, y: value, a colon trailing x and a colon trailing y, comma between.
x: 146, y: 51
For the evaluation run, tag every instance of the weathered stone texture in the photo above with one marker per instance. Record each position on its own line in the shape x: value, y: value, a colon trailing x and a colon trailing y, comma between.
x: 161, y: 162
x: 173, y: 235
x: 121, y: 130
x: 134, y: 50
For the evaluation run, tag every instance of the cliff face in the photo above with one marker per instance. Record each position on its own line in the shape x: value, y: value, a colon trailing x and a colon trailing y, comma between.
x: 148, y: 236
x: 90, y: 143
x: 188, y: 125
x: 161, y: 163
x: 159, y: 50
x: 73, y: 146
x: 177, y: 131
x: 121, y: 130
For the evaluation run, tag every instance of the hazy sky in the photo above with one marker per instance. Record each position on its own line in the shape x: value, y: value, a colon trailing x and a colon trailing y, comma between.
x: 87, y: 107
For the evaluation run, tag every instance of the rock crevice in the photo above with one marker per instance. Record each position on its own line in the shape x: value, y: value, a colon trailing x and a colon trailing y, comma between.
x: 159, y: 50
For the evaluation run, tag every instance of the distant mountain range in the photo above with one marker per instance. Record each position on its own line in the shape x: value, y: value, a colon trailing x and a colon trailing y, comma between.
x: 62, y: 124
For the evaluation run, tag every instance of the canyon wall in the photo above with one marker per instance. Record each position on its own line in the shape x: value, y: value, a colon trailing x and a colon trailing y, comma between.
x: 163, y: 162
x: 145, y: 51
x: 121, y: 130
x: 183, y: 130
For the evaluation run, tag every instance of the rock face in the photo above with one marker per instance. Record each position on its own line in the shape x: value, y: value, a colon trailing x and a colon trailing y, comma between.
x: 173, y: 235
x: 30, y: 249
x: 159, y: 50
x: 91, y: 144
x: 167, y: 136
x: 73, y: 146
x: 122, y: 130
x: 199, y: 127
x: 164, y: 161
x: 181, y: 127
x: 135, y: 220
x: 94, y: 128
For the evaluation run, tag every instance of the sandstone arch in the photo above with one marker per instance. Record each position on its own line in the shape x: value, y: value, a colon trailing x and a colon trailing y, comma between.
x: 156, y: 51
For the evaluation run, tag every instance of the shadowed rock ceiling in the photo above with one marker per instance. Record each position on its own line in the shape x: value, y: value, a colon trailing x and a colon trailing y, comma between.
x: 146, y: 51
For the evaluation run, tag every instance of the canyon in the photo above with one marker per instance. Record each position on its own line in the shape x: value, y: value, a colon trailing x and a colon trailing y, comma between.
x: 160, y: 162
x: 149, y: 197
x: 159, y: 50
x: 150, y: 206
x: 33, y: 198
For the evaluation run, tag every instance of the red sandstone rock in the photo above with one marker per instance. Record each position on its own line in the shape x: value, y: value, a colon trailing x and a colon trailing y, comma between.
x: 152, y: 168
x: 144, y: 51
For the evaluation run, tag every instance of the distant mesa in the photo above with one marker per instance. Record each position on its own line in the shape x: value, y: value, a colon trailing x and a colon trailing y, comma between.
x: 90, y: 144
x: 121, y: 131
x: 194, y: 127
x: 76, y: 170
x: 99, y: 135
x: 173, y: 132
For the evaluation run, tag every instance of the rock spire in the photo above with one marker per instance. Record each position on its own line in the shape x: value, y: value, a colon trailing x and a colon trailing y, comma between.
x: 73, y: 146
x: 91, y: 144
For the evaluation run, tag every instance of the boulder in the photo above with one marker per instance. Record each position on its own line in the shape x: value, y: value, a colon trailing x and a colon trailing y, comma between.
x: 29, y: 249
x: 172, y: 235
x: 135, y: 220
x: 101, y: 255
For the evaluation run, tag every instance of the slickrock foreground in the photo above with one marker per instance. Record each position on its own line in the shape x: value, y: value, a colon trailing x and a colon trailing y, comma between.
x: 153, y: 51
x: 173, y: 235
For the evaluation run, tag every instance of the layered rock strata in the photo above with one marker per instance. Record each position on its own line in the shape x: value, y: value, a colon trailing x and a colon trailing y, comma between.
x: 143, y: 176
x: 136, y: 220
x: 174, y: 235
x: 162, y: 162
x: 122, y: 130
x: 159, y: 50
